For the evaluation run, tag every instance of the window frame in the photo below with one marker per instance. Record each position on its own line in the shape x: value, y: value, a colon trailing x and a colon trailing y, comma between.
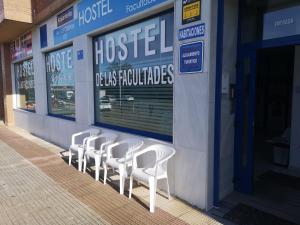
x: 148, y: 134
x: 47, y: 94
x: 15, y: 85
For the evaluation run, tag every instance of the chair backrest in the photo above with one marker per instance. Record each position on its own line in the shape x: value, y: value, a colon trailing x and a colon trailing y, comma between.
x: 94, y: 131
x: 163, y: 154
x: 109, y: 137
x: 133, y: 145
x: 97, y: 141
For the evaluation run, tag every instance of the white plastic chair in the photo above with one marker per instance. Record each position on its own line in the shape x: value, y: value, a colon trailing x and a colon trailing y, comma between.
x: 121, y: 163
x: 92, y: 152
x: 152, y: 175
x: 78, y: 147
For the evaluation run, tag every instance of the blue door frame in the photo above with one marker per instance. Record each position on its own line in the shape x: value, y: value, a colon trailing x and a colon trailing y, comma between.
x: 245, y: 187
x: 243, y: 164
x: 244, y: 121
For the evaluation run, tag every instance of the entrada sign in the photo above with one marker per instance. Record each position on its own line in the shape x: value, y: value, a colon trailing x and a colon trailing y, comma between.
x: 282, y: 23
x: 96, y: 14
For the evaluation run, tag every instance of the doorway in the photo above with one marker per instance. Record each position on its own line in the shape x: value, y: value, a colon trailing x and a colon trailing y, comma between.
x: 273, y: 109
x: 267, y: 126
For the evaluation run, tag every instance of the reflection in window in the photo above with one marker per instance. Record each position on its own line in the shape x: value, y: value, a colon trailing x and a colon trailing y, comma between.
x: 24, y: 76
x: 60, y: 82
x: 134, y: 75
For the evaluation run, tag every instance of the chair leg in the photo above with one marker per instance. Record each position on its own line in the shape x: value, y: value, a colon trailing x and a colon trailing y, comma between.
x: 105, y: 172
x: 84, y: 164
x: 97, y: 164
x: 122, y: 179
x: 152, y: 189
x: 70, y: 157
x: 80, y: 156
x: 168, y: 189
x: 130, y: 186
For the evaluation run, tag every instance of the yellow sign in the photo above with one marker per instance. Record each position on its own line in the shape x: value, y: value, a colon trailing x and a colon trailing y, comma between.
x: 191, y: 11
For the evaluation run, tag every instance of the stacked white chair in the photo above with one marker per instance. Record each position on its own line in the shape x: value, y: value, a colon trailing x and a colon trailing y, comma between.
x: 78, y: 145
x: 96, y: 153
x: 152, y: 175
x: 121, y: 164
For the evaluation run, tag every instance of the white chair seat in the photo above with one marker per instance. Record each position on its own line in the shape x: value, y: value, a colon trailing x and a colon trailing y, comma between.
x: 78, y: 146
x: 152, y: 175
x: 97, y: 153
x: 143, y: 174
x: 121, y: 164
x: 116, y: 162
x: 75, y: 148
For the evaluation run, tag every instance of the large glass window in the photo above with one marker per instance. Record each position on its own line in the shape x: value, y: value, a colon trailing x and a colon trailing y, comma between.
x: 133, y: 77
x: 61, y: 83
x: 24, y: 83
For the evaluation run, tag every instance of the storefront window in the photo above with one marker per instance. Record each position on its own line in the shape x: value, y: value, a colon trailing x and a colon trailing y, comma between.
x: 24, y: 76
x: 61, y: 83
x: 133, y: 77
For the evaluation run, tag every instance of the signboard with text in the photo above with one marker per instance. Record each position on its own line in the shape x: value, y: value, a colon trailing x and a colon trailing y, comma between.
x: 282, y: 23
x: 191, y: 57
x: 65, y: 16
x: 21, y: 47
x: 191, y: 32
x: 93, y: 15
x: 191, y: 11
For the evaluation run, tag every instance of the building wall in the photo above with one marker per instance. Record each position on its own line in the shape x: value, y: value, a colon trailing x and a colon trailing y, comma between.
x: 17, y: 10
x: 227, y: 115
x: 191, y: 168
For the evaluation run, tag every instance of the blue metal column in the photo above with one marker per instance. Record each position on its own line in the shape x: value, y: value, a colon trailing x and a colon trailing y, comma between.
x: 217, y: 125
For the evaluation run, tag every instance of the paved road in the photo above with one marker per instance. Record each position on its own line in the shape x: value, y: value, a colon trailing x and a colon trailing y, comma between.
x: 28, y: 196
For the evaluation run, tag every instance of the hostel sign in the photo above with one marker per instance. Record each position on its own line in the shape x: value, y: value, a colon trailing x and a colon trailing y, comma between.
x: 93, y: 14
x: 136, y: 56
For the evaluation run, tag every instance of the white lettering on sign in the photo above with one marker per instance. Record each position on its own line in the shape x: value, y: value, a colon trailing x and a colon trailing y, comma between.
x: 111, y: 44
x: 97, y: 10
x: 59, y: 61
x: 152, y: 75
x: 192, y: 32
x: 191, y: 54
x: 284, y: 22
x: 140, y: 4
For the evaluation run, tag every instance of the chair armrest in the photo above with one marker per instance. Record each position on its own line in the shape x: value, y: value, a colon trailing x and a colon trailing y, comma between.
x: 77, y: 135
x: 104, y: 144
x: 111, y: 148
x: 89, y: 140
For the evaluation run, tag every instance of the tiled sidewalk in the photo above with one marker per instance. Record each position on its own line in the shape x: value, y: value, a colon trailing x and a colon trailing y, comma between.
x: 27, y: 196
x: 33, y: 172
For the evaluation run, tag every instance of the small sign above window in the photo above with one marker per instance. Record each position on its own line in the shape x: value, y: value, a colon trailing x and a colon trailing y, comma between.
x: 21, y: 47
x: 65, y: 16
